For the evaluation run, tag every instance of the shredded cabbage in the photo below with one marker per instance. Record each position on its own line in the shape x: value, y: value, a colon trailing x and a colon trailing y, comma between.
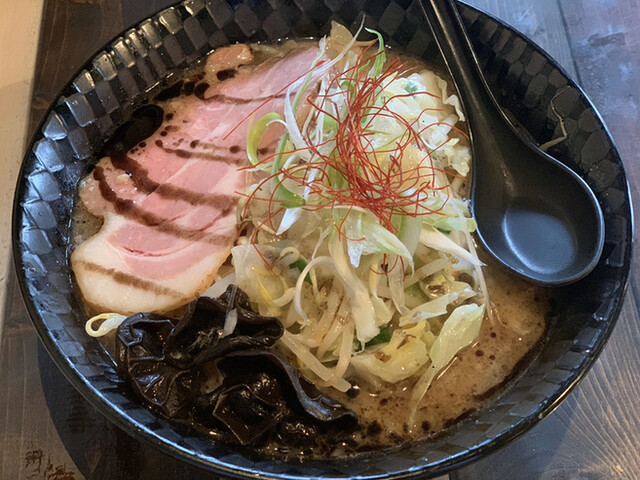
x: 363, y: 249
x: 399, y: 359
x: 459, y: 331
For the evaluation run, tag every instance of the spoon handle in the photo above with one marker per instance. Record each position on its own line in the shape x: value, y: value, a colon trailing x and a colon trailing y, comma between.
x: 453, y: 41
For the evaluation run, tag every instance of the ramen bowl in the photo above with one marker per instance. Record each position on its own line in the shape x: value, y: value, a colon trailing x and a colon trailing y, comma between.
x: 536, y: 93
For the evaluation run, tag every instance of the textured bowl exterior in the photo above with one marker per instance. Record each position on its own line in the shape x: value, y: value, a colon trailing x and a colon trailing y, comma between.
x: 526, y: 82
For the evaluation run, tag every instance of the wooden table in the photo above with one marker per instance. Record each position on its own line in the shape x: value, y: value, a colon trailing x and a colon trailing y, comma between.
x: 48, y: 431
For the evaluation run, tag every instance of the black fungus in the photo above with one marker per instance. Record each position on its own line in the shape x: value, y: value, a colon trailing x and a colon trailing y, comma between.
x: 198, y: 336
x: 141, y: 356
x: 158, y: 356
x: 248, y: 406
x: 306, y: 396
x: 261, y: 398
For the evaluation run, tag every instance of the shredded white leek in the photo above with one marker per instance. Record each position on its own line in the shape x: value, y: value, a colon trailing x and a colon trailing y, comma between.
x: 220, y: 286
x: 312, y: 362
x: 230, y: 322
x: 359, y: 293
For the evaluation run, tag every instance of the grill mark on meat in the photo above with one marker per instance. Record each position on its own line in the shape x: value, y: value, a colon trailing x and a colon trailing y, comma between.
x: 203, y: 154
x: 182, y: 153
x: 188, y: 88
x: 200, y: 144
x: 200, y: 90
x: 140, y: 177
x: 223, y: 75
x: 130, y: 280
x: 242, y: 101
x: 129, y: 209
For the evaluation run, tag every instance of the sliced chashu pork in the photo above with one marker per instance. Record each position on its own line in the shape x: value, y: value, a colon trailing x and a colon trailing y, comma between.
x: 169, y: 203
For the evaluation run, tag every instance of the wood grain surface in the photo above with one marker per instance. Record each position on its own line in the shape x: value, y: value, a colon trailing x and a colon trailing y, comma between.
x: 48, y: 431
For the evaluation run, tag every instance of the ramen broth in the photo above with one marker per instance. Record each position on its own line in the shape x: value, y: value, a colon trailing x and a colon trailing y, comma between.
x: 474, y: 378
x: 507, y: 341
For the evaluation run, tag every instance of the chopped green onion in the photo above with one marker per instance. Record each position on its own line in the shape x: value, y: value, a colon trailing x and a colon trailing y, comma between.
x: 256, y: 133
x: 381, y: 58
x: 287, y: 199
x: 383, y: 337
x: 329, y: 123
x: 301, y: 264
x: 411, y: 87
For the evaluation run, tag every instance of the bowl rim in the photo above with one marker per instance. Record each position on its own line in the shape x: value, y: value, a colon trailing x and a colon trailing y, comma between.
x: 141, y: 432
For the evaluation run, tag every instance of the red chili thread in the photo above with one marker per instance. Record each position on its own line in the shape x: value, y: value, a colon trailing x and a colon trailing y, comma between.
x: 384, y: 190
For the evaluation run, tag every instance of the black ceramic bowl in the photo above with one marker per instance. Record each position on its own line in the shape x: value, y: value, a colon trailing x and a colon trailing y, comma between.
x: 526, y: 82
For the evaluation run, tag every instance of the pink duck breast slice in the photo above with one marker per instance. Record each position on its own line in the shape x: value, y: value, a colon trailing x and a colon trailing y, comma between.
x: 169, y: 204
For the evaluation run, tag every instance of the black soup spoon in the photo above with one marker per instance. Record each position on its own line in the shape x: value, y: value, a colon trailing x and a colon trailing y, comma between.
x: 535, y: 216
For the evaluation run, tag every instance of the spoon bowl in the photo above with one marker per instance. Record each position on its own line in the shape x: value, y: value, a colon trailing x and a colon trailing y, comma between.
x: 535, y: 215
